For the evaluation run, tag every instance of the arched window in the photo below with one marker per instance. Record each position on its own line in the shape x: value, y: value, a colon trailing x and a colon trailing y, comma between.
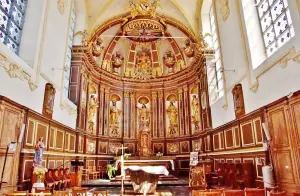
x: 276, y: 23
x: 214, y: 72
x: 69, y: 53
x: 12, y: 14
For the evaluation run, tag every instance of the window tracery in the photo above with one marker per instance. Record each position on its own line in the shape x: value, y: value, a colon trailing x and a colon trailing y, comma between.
x: 12, y: 15
x: 276, y: 23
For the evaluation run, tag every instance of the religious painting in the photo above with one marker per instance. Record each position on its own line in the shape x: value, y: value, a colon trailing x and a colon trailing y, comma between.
x: 93, y: 104
x: 238, y: 100
x: 158, y: 147
x: 194, y: 158
x: 91, y: 146
x: 173, y: 148
x: 196, y: 145
x: 143, y: 64
x: 195, y: 110
x: 103, y: 147
x: 185, y: 147
x: 49, y: 100
x: 115, y: 115
x: 172, y: 116
x: 114, y: 148
x: 130, y: 148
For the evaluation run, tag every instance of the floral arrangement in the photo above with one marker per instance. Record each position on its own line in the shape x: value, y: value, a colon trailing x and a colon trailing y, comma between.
x: 126, y: 156
x: 39, y: 172
x: 110, y: 170
x: 158, y: 155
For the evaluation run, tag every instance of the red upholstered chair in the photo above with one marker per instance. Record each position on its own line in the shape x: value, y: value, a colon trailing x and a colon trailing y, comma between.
x: 296, y: 194
x: 254, y: 192
x: 234, y: 193
x: 282, y: 193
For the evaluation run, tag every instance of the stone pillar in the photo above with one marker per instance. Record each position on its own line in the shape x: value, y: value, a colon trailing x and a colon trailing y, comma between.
x: 181, y: 112
x: 154, y: 115
x: 106, y: 111
x: 132, y: 116
x: 126, y: 111
x: 101, y: 110
x: 161, y: 114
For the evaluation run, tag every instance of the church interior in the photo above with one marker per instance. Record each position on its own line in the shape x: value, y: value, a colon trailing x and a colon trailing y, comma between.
x: 150, y: 97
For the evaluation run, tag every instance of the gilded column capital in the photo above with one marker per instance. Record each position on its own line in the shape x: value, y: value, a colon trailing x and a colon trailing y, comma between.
x: 132, y: 95
x: 185, y: 89
x: 154, y: 95
x: 180, y: 90
x: 160, y: 94
x: 102, y: 89
x: 107, y: 90
x: 126, y: 94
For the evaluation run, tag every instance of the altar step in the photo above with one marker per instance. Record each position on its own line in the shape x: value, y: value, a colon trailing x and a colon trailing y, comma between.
x: 161, y: 178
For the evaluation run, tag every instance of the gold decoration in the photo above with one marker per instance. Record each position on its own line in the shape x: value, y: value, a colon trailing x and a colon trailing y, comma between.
x: 180, y: 65
x: 297, y: 58
x: 61, y: 6
x: 189, y: 48
x: 169, y: 61
x: 117, y: 61
x: 194, y: 90
x: 115, y: 98
x: 287, y: 57
x: 96, y: 47
x: 224, y: 9
x: 143, y: 100
x: 172, y: 98
x: 143, y: 70
x: 143, y: 8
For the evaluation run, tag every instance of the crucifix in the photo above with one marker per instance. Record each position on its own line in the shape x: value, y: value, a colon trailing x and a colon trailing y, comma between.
x: 123, y: 175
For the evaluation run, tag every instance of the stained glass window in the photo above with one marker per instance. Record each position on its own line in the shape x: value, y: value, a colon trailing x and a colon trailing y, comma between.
x: 12, y: 14
x: 276, y: 23
x: 214, y: 72
x: 69, y: 53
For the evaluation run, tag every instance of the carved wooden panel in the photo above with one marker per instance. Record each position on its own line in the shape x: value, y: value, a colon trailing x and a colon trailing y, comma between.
x: 80, y: 144
x: 237, y: 136
x: 279, y: 131
x: 195, y: 145
x: 295, y: 110
x: 60, y: 135
x: 173, y: 148
x: 52, y: 138
x: 158, y: 147
x: 27, y: 170
x: 103, y: 147
x: 229, y: 142
x: 42, y: 131
x: 72, y: 142
x: 130, y: 148
x: 283, y: 162
x: 51, y: 164
x: 185, y: 147
x: 257, y: 131
x: 67, y: 142
x: 247, y: 134
x: 30, y: 133
x: 9, y: 127
x: 74, y: 87
x: 91, y: 146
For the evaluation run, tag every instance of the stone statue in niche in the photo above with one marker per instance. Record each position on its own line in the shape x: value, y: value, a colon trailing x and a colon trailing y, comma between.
x: 92, y: 111
x: 49, y: 100
x: 195, y: 112
x: 189, y: 48
x: 117, y: 61
x: 143, y: 67
x: 97, y: 47
x: 238, y: 100
x: 38, y: 152
x: 169, y: 61
x: 144, y: 116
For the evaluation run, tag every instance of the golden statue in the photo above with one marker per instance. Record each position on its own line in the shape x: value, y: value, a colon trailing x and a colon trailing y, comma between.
x: 143, y: 8
x: 143, y: 68
x: 189, y: 48
x: 117, y: 61
x: 144, y: 116
x: 92, y: 110
x: 97, y: 47
x: 195, y: 108
x: 169, y: 61
x: 114, y: 114
x: 172, y: 114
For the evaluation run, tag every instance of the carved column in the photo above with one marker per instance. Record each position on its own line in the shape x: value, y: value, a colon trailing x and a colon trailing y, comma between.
x: 83, y: 102
x: 106, y: 111
x: 126, y: 111
x: 154, y: 115
x: 161, y: 116
x: 132, y: 117
x: 199, y: 108
x: 186, y: 110
x: 181, y: 113
x: 101, y: 111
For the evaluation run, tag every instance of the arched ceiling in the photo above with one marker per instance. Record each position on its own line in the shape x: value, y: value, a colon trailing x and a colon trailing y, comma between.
x: 185, y: 11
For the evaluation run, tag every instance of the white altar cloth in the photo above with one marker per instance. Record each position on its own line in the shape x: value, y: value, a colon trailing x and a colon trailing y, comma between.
x: 145, y: 161
x: 149, y: 169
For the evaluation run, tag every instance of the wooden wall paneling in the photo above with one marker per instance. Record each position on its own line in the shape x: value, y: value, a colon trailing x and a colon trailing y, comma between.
x: 91, y: 146
x: 59, y: 163
x: 185, y: 147
x: 30, y: 133
x: 229, y: 160
x: 259, y: 162
x: 80, y: 144
x: 173, y: 148
x: 60, y: 140
x: 27, y: 170
x: 237, y: 160
x: 184, y: 164
x: 158, y: 147
x: 41, y: 131
x: 74, y: 84
x: 221, y: 137
x: 258, y: 130
x: 67, y: 142
x: 237, y: 137
x: 216, y: 141
x: 247, y: 134
x: 103, y: 147
x: 52, y: 138
x: 229, y: 138
x: 51, y: 164
x: 72, y: 142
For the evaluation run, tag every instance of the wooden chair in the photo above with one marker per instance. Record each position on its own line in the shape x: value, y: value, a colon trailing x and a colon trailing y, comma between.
x: 254, y: 192
x: 61, y: 193
x: 79, y: 191
x: 282, y: 193
x: 100, y: 193
x: 234, y: 193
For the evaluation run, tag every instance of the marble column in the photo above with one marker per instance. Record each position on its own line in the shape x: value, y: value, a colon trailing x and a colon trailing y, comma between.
x: 154, y: 115
x: 132, y: 116
x: 161, y: 116
x: 181, y: 112
x: 106, y: 112
x: 126, y: 111
x: 186, y: 98
x: 101, y: 102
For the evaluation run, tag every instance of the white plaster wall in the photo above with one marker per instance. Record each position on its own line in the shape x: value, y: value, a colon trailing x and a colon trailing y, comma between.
x: 273, y: 80
x: 50, y: 53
